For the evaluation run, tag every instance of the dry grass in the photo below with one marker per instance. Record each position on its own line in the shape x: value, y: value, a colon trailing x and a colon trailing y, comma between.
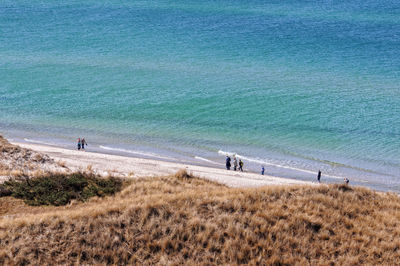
x: 16, y: 161
x: 6, y: 147
x: 89, y: 168
x: 175, y: 220
x: 183, y: 175
x: 62, y: 164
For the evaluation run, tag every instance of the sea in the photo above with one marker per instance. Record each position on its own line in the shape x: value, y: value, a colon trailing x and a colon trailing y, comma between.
x: 295, y: 86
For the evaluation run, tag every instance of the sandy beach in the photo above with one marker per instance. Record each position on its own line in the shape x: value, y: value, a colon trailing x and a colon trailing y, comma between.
x: 105, y: 164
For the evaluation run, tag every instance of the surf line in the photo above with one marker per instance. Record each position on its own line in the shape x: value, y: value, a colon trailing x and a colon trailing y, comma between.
x: 39, y: 142
x: 140, y: 153
x: 206, y: 160
x: 271, y: 164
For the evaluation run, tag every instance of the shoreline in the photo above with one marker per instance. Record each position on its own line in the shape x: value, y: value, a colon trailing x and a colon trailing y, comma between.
x: 283, y: 167
x: 135, y: 167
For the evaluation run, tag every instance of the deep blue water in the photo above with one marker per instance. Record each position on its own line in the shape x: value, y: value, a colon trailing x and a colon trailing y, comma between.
x: 297, y: 86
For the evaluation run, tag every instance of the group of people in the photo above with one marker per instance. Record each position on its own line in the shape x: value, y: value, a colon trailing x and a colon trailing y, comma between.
x: 81, y: 143
x: 235, y: 164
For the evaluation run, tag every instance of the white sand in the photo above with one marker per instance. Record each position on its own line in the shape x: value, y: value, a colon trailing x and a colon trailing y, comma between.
x: 139, y: 167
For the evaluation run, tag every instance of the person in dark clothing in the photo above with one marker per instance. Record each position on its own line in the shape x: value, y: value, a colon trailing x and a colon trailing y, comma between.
x: 83, y: 143
x: 79, y: 144
x: 262, y: 170
x: 319, y: 176
x: 346, y: 180
x: 228, y: 163
x: 240, y: 165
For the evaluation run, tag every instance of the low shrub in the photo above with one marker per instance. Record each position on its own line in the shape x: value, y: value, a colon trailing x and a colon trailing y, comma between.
x: 60, y: 189
x: 183, y: 174
x: 4, y: 192
x: 343, y: 187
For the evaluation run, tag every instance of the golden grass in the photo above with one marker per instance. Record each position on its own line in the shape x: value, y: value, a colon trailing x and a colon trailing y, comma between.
x: 16, y: 161
x: 6, y: 147
x: 185, y: 220
x: 62, y: 164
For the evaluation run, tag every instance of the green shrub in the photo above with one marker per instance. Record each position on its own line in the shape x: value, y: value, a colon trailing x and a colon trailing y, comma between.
x: 60, y: 189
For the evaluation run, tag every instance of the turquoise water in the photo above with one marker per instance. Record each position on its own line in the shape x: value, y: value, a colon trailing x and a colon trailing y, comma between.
x: 296, y: 86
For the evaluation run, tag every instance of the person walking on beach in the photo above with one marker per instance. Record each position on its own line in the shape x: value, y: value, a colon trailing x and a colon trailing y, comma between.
x: 319, y: 176
x: 79, y: 143
x: 83, y: 143
x: 235, y: 164
x: 346, y: 181
x: 228, y: 163
x: 262, y: 170
x: 240, y: 165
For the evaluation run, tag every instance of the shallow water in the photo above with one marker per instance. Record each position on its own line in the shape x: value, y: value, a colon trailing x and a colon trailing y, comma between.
x: 296, y: 86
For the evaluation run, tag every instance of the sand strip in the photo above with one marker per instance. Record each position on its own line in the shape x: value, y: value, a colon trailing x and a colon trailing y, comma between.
x: 139, y: 167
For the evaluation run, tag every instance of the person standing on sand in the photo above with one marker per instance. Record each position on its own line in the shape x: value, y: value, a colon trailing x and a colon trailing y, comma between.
x: 319, y: 176
x: 235, y: 164
x: 79, y: 143
x: 240, y: 165
x: 262, y: 170
x: 228, y: 163
x: 84, y: 143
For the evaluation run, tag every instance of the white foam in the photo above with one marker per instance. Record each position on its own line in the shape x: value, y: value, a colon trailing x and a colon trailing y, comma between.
x: 206, y: 160
x: 264, y: 162
x: 139, y: 153
x: 39, y: 142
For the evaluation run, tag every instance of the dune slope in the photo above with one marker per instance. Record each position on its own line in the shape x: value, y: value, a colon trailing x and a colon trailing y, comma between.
x: 181, y: 219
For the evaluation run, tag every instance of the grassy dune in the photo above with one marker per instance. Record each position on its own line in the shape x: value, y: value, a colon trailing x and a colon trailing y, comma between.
x: 185, y: 220
x: 16, y: 161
